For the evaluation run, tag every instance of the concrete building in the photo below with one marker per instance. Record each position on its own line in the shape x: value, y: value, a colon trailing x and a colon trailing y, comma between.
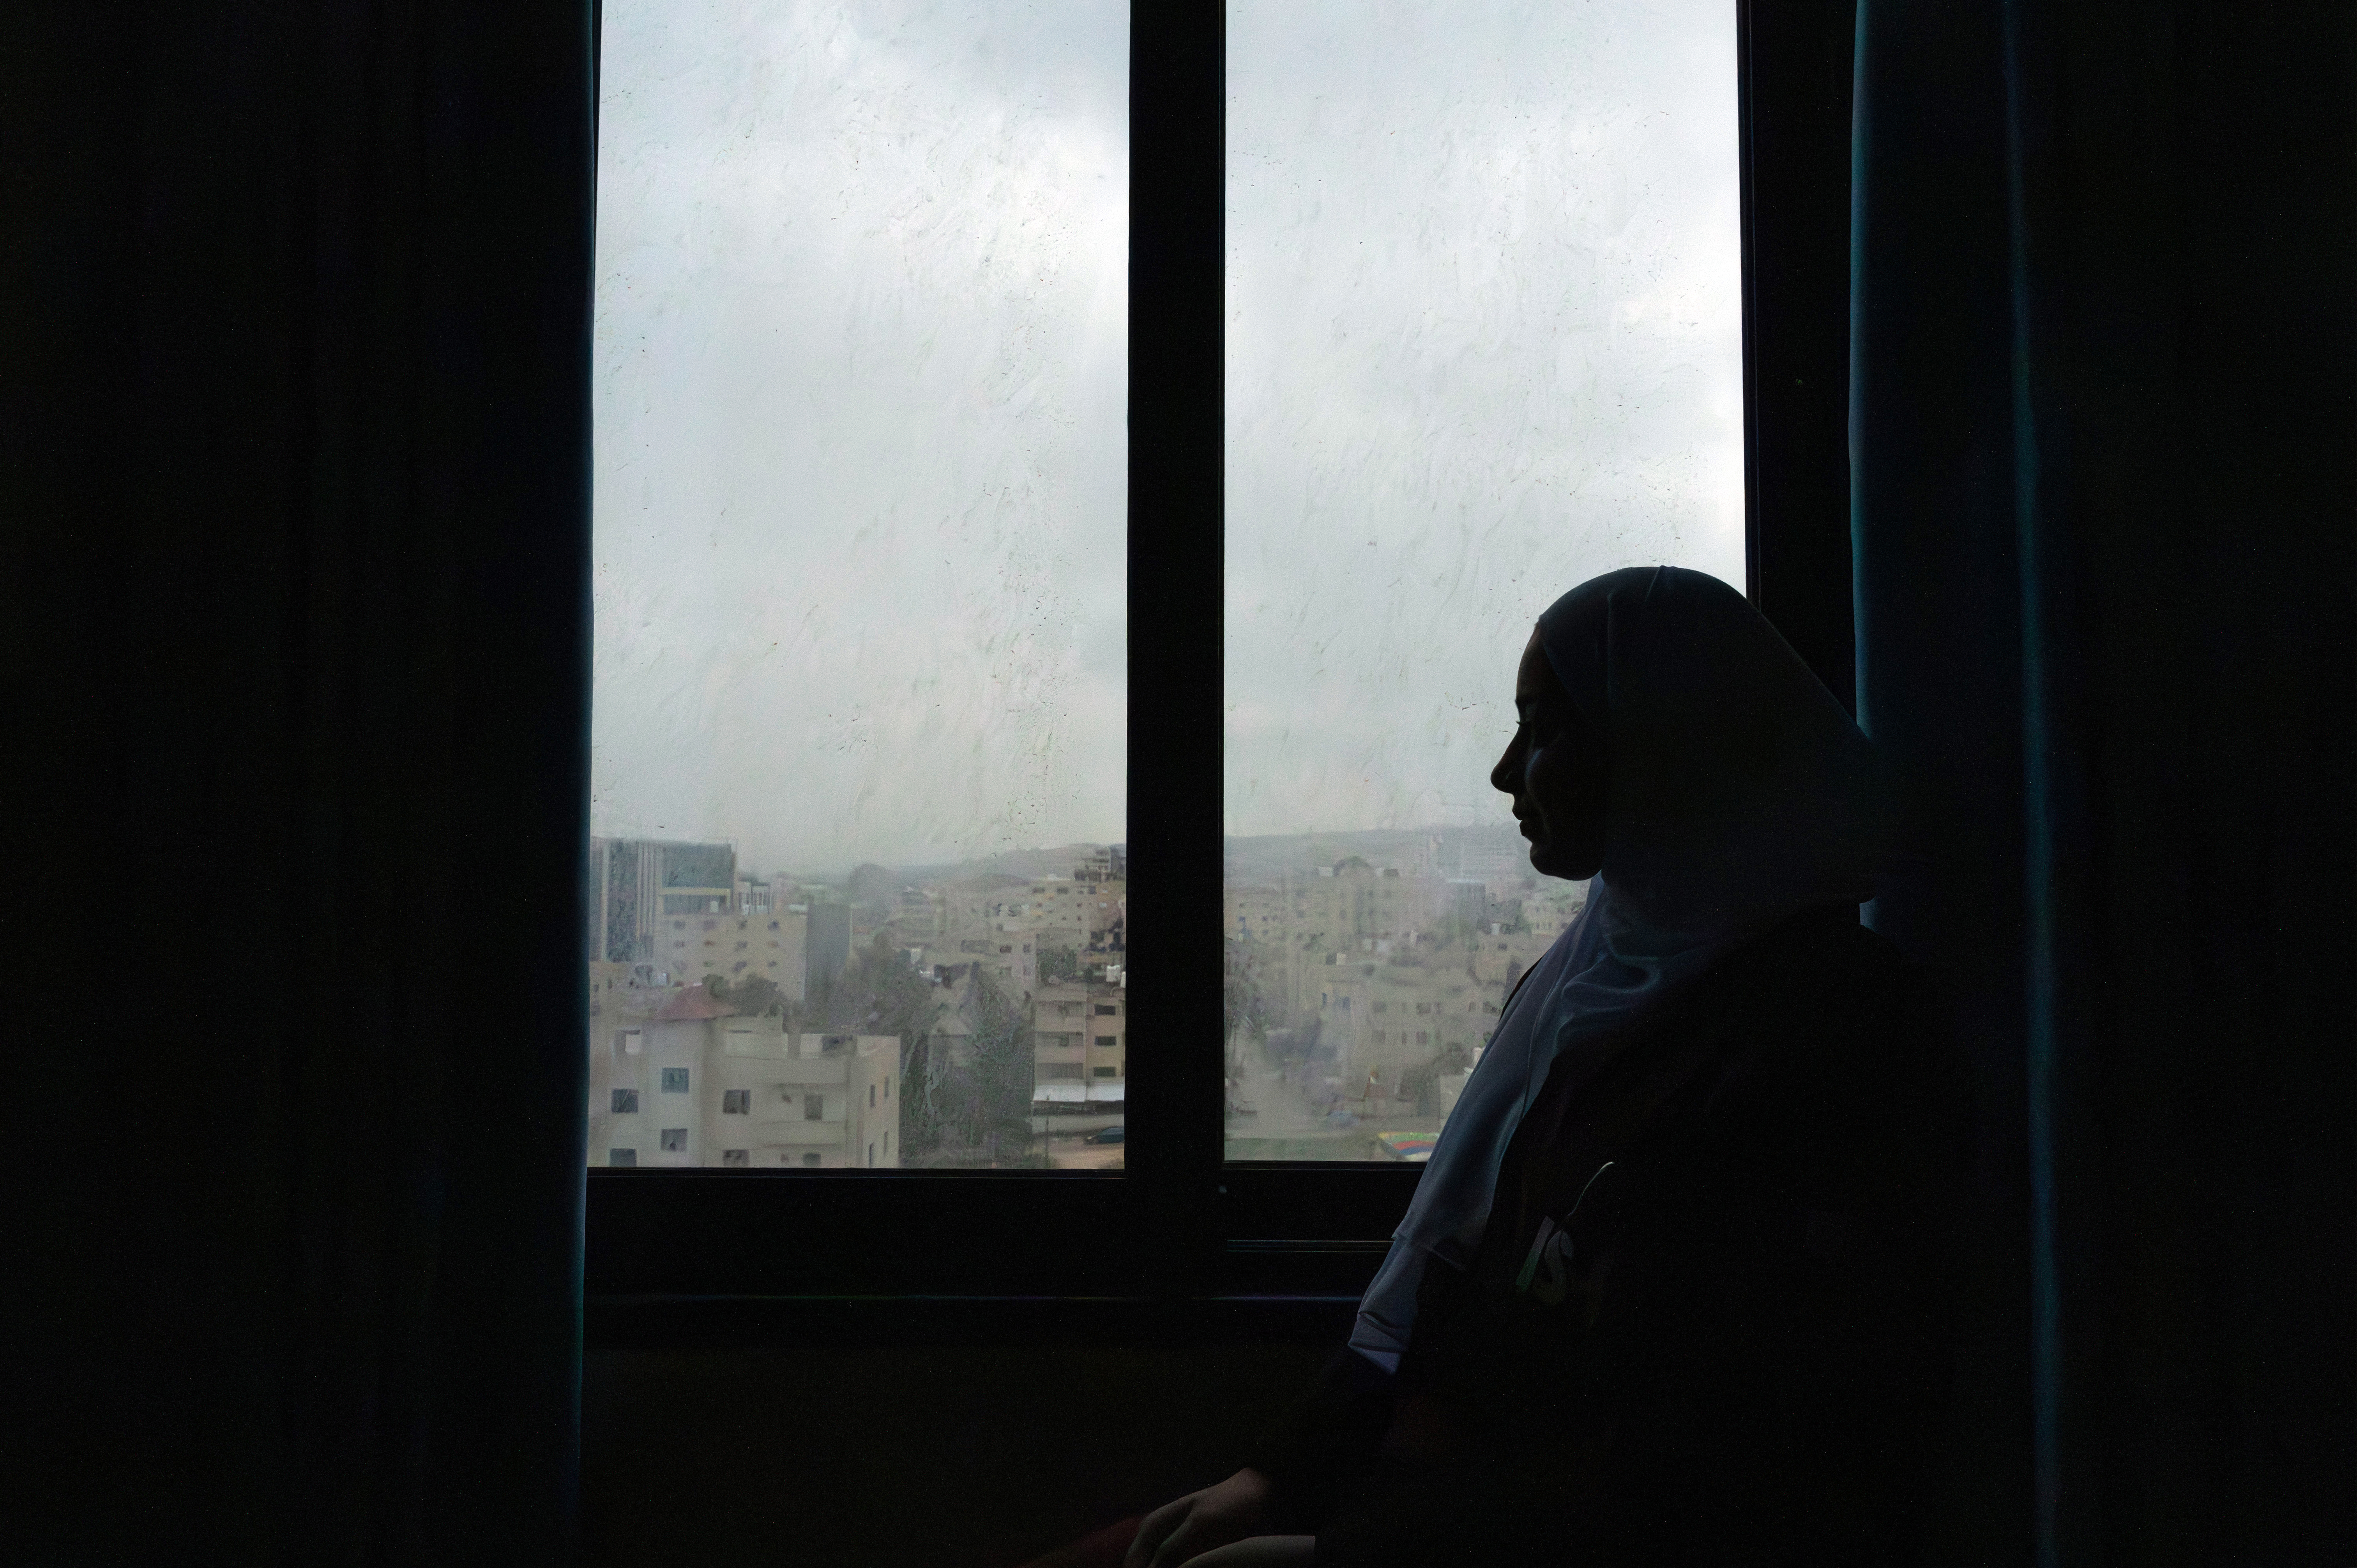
x: 634, y: 884
x: 1080, y: 1061
x: 826, y: 944
x: 735, y: 946
x: 678, y: 1079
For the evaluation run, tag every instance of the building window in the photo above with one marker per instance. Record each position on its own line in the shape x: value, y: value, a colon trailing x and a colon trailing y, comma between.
x: 621, y: 1156
x: 736, y: 1157
x: 1423, y: 1036
x: 626, y: 1103
x: 1108, y: 1072
x: 629, y: 1040
x: 1104, y: 1010
x: 888, y: 1086
x: 871, y: 1094
x: 810, y: 1159
x: 674, y: 1140
x: 814, y: 1108
x: 1107, y: 1042
x: 871, y: 1157
x: 736, y: 1102
x: 674, y: 1080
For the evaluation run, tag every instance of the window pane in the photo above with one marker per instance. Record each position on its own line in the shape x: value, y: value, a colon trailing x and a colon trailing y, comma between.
x: 861, y: 687
x: 1484, y: 342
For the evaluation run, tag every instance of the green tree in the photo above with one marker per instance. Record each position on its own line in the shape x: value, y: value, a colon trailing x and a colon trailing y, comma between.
x: 759, y: 996
x: 1059, y: 965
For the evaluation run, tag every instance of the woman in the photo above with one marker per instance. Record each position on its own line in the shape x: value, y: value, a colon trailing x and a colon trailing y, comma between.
x: 1673, y: 1287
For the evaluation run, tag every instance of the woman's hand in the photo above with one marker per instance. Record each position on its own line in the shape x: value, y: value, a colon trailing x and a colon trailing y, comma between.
x: 1260, y: 1552
x: 1204, y: 1521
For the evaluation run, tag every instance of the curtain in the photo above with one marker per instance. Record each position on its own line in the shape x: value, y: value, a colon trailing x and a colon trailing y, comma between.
x: 295, y: 306
x: 2102, y: 355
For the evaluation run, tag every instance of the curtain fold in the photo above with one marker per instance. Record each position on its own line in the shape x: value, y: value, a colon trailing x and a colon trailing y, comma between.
x: 297, y: 306
x: 2102, y: 364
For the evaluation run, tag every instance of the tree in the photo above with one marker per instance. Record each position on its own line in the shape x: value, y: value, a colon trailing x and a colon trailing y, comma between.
x: 1422, y: 1082
x: 759, y: 996
x: 1058, y: 965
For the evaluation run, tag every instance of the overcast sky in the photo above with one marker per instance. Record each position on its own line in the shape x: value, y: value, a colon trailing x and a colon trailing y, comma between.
x: 861, y: 306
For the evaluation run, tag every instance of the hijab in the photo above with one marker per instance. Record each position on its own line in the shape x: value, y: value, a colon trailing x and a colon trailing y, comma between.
x: 1739, y: 794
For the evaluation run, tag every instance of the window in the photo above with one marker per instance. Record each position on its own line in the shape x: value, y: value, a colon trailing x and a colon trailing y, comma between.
x: 736, y: 1103
x: 621, y: 1156
x: 814, y: 1107
x: 1106, y: 1072
x: 1484, y: 292
x: 1311, y: 924
x: 1106, y: 1042
x: 1104, y: 1010
x: 736, y: 1158
x: 626, y: 1103
x: 871, y: 1094
x: 674, y: 1080
x: 674, y: 1140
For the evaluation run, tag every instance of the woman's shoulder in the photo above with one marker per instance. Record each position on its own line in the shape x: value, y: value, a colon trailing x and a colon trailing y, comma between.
x: 1834, y: 1016
x: 1824, y: 960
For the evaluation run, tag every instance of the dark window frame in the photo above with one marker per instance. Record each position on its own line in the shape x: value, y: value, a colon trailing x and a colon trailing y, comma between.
x: 1180, y: 1223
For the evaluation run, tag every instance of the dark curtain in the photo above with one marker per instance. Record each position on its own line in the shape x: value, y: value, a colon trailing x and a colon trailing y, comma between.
x: 294, y: 460
x: 2102, y: 419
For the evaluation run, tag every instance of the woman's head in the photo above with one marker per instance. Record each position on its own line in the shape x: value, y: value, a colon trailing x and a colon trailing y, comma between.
x: 1670, y: 740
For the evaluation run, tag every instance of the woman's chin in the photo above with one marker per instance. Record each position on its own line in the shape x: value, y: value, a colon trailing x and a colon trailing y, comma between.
x: 1548, y: 861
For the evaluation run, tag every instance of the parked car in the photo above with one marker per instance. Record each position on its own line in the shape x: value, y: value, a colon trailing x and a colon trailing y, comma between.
x: 1105, y: 1135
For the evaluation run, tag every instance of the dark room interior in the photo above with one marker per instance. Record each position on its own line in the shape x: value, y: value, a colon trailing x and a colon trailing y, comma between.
x: 2050, y: 371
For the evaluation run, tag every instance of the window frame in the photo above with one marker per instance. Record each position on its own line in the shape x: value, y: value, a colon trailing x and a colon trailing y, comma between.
x: 757, y: 1249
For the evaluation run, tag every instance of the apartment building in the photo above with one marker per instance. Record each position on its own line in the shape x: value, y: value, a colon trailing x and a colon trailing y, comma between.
x: 1080, y: 1048
x: 678, y: 1079
x: 635, y: 884
x: 735, y: 947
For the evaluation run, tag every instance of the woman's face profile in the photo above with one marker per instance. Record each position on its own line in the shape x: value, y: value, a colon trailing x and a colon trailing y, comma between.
x: 1554, y: 768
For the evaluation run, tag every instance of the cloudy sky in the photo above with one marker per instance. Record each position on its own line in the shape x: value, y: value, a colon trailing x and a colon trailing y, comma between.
x: 861, y: 306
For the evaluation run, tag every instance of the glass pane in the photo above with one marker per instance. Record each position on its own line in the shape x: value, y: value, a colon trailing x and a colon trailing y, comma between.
x: 1484, y: 342
x: 861, y: 684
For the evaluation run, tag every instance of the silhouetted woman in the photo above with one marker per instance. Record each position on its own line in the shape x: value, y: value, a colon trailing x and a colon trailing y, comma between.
x: 1674, y: 1286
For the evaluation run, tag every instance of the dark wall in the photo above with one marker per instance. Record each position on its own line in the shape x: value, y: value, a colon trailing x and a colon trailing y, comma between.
x: 977, y: 1454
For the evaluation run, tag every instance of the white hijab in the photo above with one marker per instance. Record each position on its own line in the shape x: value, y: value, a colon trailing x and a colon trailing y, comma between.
x: 1740, y: 794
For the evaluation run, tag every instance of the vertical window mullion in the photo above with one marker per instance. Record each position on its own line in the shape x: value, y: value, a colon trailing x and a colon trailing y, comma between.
x: 1176, y: 370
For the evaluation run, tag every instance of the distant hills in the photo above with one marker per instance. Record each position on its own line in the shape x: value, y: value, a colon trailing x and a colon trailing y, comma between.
x: 1442, y: 850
